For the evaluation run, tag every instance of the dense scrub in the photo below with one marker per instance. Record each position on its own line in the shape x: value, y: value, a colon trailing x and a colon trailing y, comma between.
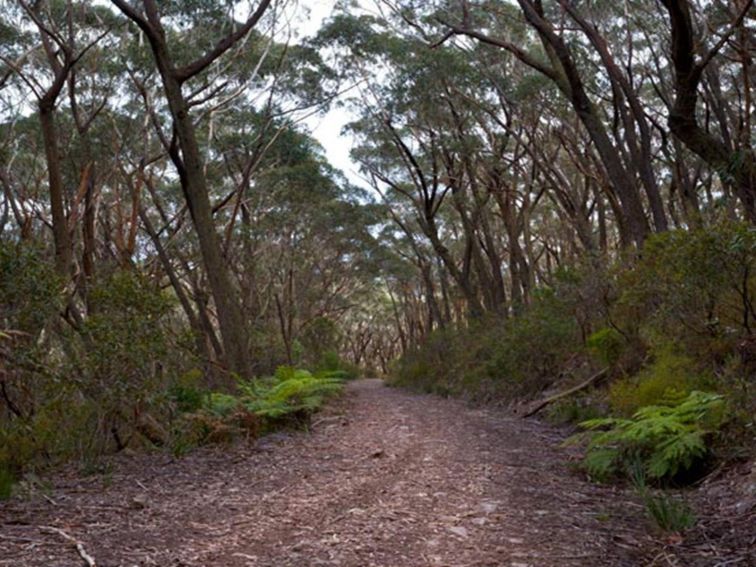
x: 493, y: 359
x: 672, y: 322
x: 127, y: 375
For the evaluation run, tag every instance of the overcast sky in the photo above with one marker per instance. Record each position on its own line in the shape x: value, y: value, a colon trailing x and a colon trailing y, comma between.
x: 327, y: 128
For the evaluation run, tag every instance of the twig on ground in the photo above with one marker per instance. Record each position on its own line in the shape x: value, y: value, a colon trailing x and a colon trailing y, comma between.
x: 326, y: 419
x: 88, y: 559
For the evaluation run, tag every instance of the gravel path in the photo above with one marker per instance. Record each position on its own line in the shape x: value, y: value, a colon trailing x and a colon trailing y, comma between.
x: 385, y: 478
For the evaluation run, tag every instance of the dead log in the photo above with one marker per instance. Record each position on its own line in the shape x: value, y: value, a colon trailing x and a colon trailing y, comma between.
x: 538, y: 406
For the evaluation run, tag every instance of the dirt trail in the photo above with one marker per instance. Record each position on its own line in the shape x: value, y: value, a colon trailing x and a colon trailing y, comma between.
x: 395, y: 480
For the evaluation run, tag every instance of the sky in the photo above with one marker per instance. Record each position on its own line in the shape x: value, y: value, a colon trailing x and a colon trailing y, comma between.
x: 327, y: 128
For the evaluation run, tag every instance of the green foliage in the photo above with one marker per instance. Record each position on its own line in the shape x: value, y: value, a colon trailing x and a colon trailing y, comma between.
x: 62, y: 426
x: 573, y: 410
x: 695, y: 288
x: 291, y: 392
x: 331, y: 362
x: 125, y: 332
x: 186, y: 393
x: 492, y: 359
x: 221, y: 405
x: 665, y: 440
x: 74, y: 392
x: 320, y: 336
x: 7, y: 480
x: 668, y: 380
x: 29, y: 288
x: 606, y: 345
x: 291, y: 395
x: 125, y: 345
x: 669, y: 513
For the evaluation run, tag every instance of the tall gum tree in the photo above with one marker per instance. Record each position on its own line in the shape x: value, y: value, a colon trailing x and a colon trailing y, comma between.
x: 561, y: 67
x: 189, y: 163
x: 736, y: 165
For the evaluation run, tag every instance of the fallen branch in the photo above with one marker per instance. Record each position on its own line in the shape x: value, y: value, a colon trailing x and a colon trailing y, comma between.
x: 88, y: 559
x: 543, y: 403
x: 327, y: 419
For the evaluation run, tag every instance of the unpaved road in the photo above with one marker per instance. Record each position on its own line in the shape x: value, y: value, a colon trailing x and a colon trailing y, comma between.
x: 396, y: 480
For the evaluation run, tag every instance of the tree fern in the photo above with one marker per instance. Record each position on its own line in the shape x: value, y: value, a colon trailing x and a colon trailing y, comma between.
x: 666, y: 440
x: 290, y: 391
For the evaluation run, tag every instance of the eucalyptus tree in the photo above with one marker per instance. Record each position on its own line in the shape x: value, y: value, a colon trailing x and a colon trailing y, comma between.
x: 176, y: 71
x: 463, y: 161
x: 700, y: 63
x: 45, y: 64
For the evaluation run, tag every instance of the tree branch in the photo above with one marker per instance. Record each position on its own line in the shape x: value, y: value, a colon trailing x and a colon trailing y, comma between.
x: 197, y: 66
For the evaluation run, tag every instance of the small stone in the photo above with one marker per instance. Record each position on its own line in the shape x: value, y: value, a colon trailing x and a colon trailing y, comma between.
x: 139, y: 502
x: 459, y: 531
x: 488, y: 507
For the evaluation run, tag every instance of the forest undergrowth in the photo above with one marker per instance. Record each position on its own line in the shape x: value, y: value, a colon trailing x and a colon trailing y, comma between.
x: 668, y: 334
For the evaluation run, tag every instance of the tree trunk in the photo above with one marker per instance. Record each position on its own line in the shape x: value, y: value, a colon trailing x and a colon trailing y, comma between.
x: 736, y: 168
x: 61, y: 236
x: 194, y: 185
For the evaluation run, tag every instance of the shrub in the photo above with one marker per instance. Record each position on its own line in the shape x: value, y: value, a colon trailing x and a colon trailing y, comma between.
x: 319, y: 338
x: 494, y: 359
x: 694, y: 287
x: 119, y: 357
x: 7, y: 481
x: 606, y: 345
x: 78, y: 392
x: 29, y: 289
x: 330, y: 361
x: 662, y: 440
x: 229, y: 422
x: 290, y: 393
x: 668, y: 380
x: 221, y: 405
x: 668, y: 513
x: 186, y: 393
x: 573, y: 410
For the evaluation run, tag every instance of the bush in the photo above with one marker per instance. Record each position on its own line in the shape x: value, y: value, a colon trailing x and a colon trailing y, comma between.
x: 290, y: 396
x: 667, y: 381
x: 573, y: 410
x: 291, y: 393
x: 221, y: 405
x: 186, y: 393
x: 330, y: 361
x: 7, y: 480
x: 668, y: 513
x: 494, y: 359
x: 662, y: 440
x: 119, y: 356
x: 606, y: 345
x: 319, y: 338
x: 695, y: 288
x: 29, y: 289
x: 79, y: 392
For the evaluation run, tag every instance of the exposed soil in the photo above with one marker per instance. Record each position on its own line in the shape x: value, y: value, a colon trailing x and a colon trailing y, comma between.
x: 385, y: 478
